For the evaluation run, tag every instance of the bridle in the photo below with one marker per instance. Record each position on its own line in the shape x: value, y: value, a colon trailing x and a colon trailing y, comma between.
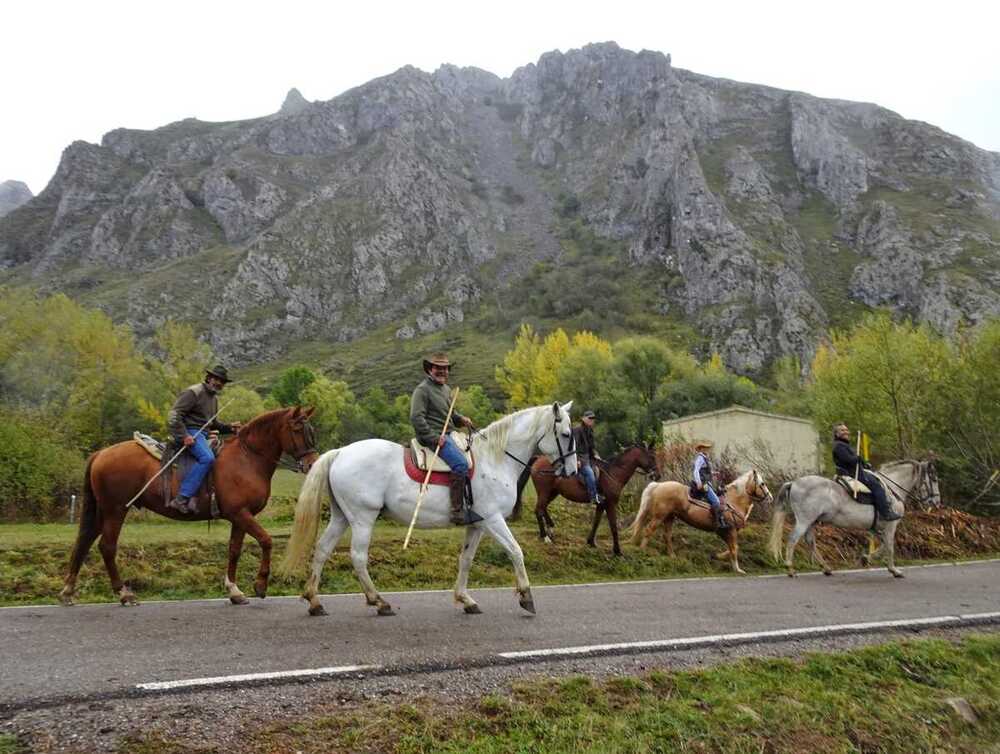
x: 559, y: 460
x: 921, y: 491
x: 298, y: 452
x: 760, y: 497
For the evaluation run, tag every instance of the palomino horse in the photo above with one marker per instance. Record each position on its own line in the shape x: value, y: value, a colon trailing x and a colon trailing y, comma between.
x: 815, y: 499
x: 614, y: 476
x: 242, y: 478
x: 367, y: 478
x: 662, y: 503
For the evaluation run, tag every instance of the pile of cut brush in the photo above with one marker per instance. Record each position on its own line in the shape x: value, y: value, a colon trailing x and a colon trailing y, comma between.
x: 938, y: 534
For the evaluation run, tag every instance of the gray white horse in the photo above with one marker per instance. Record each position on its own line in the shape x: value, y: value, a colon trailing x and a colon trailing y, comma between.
x: 366, y: 478
x: 815, y: 499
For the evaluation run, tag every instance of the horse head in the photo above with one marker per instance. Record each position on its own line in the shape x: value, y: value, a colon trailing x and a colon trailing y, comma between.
x: 298, y: 438
x: 748, y: 490
x: 557, y: 441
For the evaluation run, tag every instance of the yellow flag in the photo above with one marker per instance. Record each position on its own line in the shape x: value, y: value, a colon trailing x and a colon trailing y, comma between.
x: 865, y: 446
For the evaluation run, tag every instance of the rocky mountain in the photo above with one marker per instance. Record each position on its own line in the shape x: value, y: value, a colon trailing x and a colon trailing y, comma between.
x: 12, y: 195
x: 757, y: 216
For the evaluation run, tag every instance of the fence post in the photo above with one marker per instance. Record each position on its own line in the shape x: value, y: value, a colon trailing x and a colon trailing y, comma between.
x: 72, y: 508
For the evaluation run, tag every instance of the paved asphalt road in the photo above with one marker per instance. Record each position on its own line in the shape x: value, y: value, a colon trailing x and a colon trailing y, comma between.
x: 51, y: 654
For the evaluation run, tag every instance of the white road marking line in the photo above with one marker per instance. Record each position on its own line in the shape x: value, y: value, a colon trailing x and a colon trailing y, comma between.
x: 217, y: 680
x: 790, y: 633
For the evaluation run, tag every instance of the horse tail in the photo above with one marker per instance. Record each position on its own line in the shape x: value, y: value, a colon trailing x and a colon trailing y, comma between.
x: 89, y: 521
x: 778, y: 520
x: 522, y: 482
x: 642, y: 515
x: 314, y: 493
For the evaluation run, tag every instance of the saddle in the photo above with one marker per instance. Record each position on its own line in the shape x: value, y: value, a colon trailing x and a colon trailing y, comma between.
x: 417, y: 457
x: 172, y: 479
x: 852, y: 485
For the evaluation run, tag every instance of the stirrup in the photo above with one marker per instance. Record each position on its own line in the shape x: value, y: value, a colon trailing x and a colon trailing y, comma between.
x: 178, y: 504
x: 471, y: 517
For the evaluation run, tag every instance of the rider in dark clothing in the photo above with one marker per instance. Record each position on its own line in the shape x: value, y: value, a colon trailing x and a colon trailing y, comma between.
x: 848, y: 464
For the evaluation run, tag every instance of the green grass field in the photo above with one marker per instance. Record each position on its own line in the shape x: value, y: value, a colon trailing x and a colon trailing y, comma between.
x: 890, y: 698
x: 164, y: 559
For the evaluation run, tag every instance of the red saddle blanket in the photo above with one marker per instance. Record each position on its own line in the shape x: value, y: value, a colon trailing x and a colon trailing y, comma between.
x: 437, y: 477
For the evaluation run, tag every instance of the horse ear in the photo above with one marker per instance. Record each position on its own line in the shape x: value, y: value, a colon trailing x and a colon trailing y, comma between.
x: 568, y: 406
x: 555, y: 409
x: 296, y: 412
x: 310, y: 411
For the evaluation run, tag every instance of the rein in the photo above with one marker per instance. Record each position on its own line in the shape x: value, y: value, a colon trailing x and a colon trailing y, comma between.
x: 908, y: 494
x: 281, y: 462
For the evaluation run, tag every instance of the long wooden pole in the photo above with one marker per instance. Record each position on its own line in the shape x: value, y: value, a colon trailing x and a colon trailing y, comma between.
x: 430, y: 466
x: 857, y: 468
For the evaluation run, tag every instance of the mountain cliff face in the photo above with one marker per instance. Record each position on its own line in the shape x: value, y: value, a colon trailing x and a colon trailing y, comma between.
x: 761, y: 216
x: 12, y: 195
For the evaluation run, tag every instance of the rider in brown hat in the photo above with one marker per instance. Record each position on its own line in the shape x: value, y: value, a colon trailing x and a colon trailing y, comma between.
x: 196, y: 407
x: 428, y: 410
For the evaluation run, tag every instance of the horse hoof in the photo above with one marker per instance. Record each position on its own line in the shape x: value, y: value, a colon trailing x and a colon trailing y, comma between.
x: 260, y: 591
x: 791, y: 574
x: 827, y: 572
x: 472, y: 610
x: 386, y: 610
x: 547, y: 540
x: 528, y: 605
x: 318, y: 610
x: 591, y: 543
x: 240, y: 600
x: 66, y: 600
x: 897, y: 574
x: 741, y: 572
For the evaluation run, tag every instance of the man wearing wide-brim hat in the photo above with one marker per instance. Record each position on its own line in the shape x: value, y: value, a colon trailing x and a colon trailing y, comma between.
x: 702, y: 480
x: 429, y: 406
x: 195, y: 408
x: 587, y: 455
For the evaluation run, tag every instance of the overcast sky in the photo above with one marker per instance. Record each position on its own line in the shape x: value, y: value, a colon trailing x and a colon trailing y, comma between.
x: 75, y: 70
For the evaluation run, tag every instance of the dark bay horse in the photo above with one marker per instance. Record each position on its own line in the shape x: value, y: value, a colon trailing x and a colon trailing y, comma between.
x: 615, y: 474
x: 242, y: 479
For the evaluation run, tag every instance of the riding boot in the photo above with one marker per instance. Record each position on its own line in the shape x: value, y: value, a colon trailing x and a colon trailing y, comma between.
x: 179, y: 503
x: 885, y: 511
x: 456, y: 486
x: 720, y: 518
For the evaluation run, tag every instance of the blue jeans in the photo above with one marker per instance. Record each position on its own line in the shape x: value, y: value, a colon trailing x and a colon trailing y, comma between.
x: 589, y: 479
x: 205, y: 458
x: 713, y: 499
x: 454, y: 457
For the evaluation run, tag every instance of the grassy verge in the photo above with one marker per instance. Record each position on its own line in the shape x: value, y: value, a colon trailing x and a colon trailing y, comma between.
x: 164, y: 559
x: 890, y: 698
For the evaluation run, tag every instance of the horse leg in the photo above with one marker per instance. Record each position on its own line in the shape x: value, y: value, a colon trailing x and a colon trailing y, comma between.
x: 668, y: 526
x: 889, y: 543
x: 647, y: 531
x: 473, y: 536
x: 84, y: 541
x: 542, y: 516
x: 361, y: 534
x: 324, y: 549
x: 613, y: 523
x: 598, y: 511
x: 110, y: 530
x: 498, y: 529
x: 732, y: 543
x: 244, y: 519
x: 814, y: 553
x: 793, y: 539
x: 236, y: 535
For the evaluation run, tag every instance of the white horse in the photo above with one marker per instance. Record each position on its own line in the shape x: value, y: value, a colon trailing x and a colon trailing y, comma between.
x: 366, y: 478
x: 814, y: 499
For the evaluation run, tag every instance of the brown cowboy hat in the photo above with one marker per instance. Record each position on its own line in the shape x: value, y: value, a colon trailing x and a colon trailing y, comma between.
x: 219, y: 371
x: 439, y: 359
x: 702, y: 444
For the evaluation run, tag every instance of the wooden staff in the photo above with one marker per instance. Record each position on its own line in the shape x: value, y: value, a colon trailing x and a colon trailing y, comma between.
x: 430, y: 466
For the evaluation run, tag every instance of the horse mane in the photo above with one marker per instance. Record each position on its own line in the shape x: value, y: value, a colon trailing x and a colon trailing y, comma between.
x: 494, y: 436
x: 261, y: 422
x: 742, y: 480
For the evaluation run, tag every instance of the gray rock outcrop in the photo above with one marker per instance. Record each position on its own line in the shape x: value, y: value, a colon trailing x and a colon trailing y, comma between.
x: 12, y: 195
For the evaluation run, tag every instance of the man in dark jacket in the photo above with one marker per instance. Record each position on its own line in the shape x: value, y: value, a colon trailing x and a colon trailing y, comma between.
x: 586, y: 454
x: 849, y: 464
x: 429, y: 406
x: 193, y: 415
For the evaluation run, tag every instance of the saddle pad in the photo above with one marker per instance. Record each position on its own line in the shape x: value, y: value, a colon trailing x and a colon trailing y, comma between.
x: 422, y: 455
x: 853, y: 485
x: 151, y: 445
x: 437, y: 477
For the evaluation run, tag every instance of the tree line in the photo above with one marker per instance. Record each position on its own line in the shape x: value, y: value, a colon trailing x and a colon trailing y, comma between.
x: 72, y: 381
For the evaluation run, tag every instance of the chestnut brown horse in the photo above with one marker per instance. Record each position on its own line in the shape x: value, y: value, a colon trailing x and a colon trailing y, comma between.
x: 662, y: 503
x: 615, y: 474
x: 242, y: 480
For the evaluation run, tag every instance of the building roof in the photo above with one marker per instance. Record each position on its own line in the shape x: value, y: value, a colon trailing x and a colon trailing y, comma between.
x: 734, y: 409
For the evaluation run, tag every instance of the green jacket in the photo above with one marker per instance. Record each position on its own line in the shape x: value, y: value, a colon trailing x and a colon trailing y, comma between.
x: 428, y: 409
x: 192, y: 409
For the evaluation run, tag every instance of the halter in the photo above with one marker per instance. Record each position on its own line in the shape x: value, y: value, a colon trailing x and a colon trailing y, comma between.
x: 308, y: 446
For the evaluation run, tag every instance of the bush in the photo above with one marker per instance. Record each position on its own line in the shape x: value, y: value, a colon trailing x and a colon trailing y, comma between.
x: 38, y: 473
